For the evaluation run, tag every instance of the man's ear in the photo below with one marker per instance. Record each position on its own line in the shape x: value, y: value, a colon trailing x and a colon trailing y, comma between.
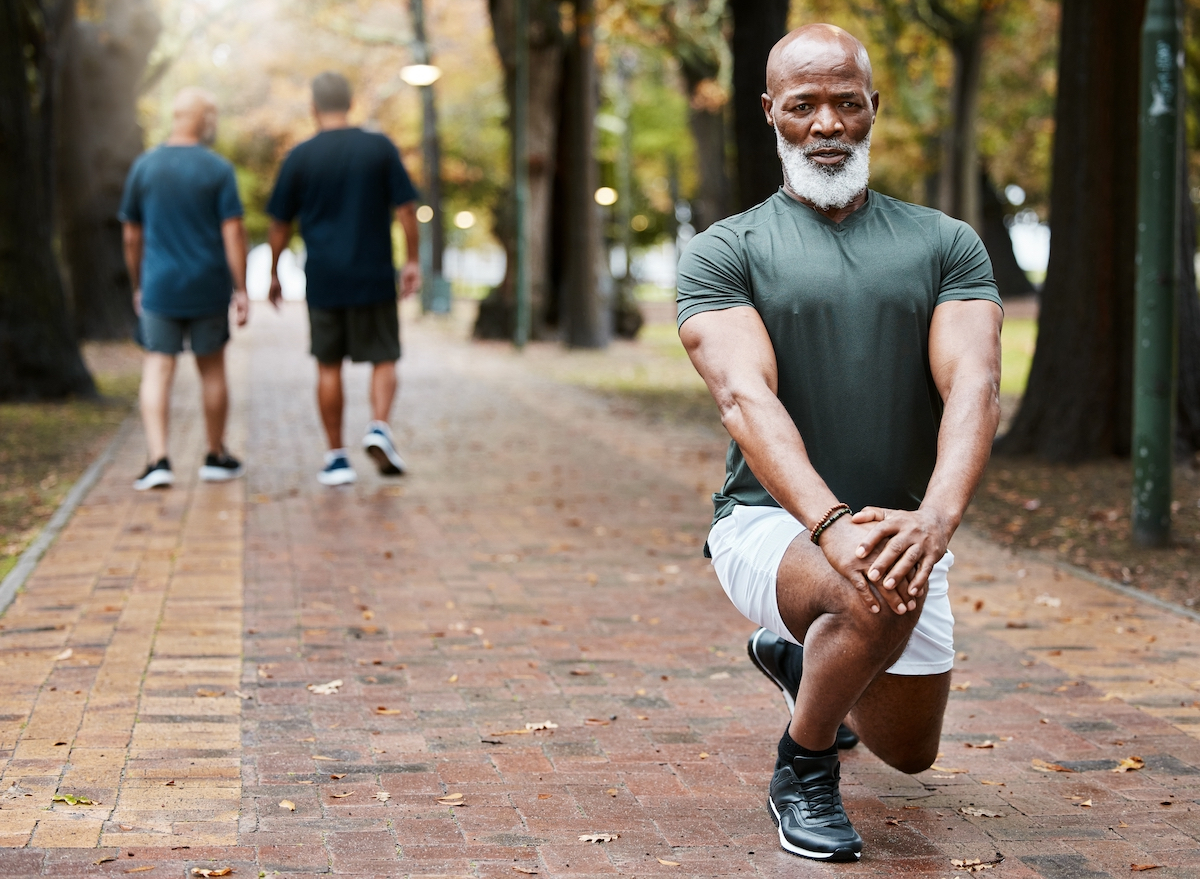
x: 767, y: 104
x: 874, y: 103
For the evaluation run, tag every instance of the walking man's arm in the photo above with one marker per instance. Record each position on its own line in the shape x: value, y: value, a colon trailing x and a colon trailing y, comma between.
x: 410, y: 275
x: 732, y: 352
x: 233, y: 234
x: 964, y: 358
x: 279, y: 234
x: 132, y: 242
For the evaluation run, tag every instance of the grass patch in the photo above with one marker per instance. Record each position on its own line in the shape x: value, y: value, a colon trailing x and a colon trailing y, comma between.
x: 45, y: 447
x: 1017, y: 341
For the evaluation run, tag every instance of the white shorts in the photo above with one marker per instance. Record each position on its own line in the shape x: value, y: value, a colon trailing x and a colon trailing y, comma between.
x: 747, y: 548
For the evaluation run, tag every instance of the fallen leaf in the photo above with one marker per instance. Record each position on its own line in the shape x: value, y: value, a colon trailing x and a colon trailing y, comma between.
x: 212, y: 694
x: 545, y: 796
x: 338, y: 776
x: 66, y: 654
x: 170, y: 783
x: 965, y: 685
x: 982, y: 745
x: 242, y: 695
x: 343, y: 795
x: 451, y: 800
x: 975, y: 865
x: 151, y: 867
x: 1016, y: 624
x: 980, y: 813
x: 1043, y: 766
x: 528, y: 871
x: 996, y: 783
x: 642, y: 717
x: 952, y: 771
x: 1047, y: 601
x: 368, y: 614
x: 1086, y: 804
x: 719, y: 676
x: 201, y: 871
x: 668, y: 863
x: 383, y: 796
x: 1130, y: 764
x: 1141, y: 868
x: 598, y: 837
x: 104, y: 860
x: 327, y: 759
x: 596, y: 721
x: 73, y: 800
x: 125, y: 827
x: 538, y: 727
x: 453, y: 679
x: 580, y: 672
x: 325, y: 689
x: 612, y: 791
x: 703, y: 755
x: 382, y: 710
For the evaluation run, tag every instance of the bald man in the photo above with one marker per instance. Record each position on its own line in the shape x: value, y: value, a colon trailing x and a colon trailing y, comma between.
x: 851, y: 342
x: 185, y: 247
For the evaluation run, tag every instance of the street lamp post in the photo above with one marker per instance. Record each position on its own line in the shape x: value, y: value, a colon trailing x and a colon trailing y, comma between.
x: 520, y: 149
x: 435, y: 295
x: 1155, y: 339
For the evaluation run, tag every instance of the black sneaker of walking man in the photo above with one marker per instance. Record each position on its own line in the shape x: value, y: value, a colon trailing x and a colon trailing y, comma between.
x: 782, y: 662
x: 806, y: 806
x: 221, y: 467
x: 156, y: 475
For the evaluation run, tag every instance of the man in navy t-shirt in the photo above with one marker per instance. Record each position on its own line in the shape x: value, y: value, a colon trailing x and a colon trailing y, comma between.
x: 344, y: 186
x: 185, y: 247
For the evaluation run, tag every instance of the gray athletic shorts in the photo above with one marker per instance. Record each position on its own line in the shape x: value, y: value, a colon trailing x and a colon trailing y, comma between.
x: 165, y: 335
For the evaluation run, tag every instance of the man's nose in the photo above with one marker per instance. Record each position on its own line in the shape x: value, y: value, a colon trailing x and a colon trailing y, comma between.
x: 826, y: 122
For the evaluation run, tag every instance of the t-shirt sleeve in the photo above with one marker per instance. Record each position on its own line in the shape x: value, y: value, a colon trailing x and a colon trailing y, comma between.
x: 966, y: 267
x: 284, y: 202
x: 229, y: 205
x: 131, y: 198
x: 399, y: 184
x: 711, y: 275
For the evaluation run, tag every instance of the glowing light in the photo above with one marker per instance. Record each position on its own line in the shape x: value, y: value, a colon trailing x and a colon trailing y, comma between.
x: 420, y: 74
x: 640, y: 223
x: 221, y: 53
x: 464, y: 219
x: 606, y: 195
x: 424, y: 213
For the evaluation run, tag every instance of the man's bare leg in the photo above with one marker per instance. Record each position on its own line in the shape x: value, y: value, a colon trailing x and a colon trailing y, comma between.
x: 383, y: 390
x: 330, y: 401
x: 215, y: 394
x: 154, y: 399
x: 846, y: 652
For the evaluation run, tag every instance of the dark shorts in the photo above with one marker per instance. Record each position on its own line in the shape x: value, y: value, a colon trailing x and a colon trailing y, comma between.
x: 165, y: 335
x: 364, y: 333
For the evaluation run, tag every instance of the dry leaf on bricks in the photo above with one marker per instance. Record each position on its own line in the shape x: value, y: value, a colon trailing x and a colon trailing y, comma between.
x: 326, y: 759
x: 949, y: 770
x: 452, y: 800
x: 66, y: 654
x: 598, y: 837
x: 343, y: 795
x: 151, y: 867
x: 383, y: 796
x: 201, y: 871
x: 212, y: 694
x: 287, y: 804
x: 965, y: 685
x: 668, y: 863
x: 528, y: 871
x: 338, y: 776
x: 1140, y: 868
x: 1043, y: 766
x: 325, y: 689
x: 980, y: 813
x: 383, y: 710
x: 73, y: 800
x: 982, y: 745
x: 1130, y: 764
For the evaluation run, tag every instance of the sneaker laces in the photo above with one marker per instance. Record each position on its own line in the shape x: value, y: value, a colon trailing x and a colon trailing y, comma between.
x: 822, y: 799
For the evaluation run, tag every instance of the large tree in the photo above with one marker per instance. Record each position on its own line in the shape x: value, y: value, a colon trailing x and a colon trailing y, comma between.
x: 39, y: 358
x: 104, y: 57
x: 1078, y: 401
x: 757, y: 27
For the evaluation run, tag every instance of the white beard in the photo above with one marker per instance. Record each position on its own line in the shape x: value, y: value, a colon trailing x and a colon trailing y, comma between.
x: 826, y: 186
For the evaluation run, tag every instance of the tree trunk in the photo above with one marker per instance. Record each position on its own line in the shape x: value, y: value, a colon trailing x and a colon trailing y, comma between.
x: 959, y: 194
x: 1010, y: 277
x: 103, y: 64
x: 1187, y: 423
x: 39, y: 358
x: 585, y: 318
x: 1078, y: 400
x: 497, y: 311
x: 757, y: 26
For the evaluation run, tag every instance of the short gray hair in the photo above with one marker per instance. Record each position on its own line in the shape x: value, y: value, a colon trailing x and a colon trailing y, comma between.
x: 331, y: 92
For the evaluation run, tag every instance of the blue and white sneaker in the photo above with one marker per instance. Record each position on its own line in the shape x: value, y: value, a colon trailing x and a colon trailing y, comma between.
x: 337, y: 469
x: 382, y: 448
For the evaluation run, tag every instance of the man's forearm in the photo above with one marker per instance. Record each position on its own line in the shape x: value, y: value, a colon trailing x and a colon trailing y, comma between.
x: 132, y: 246
x: 412, y: 235
x: 278, y: 235
x: 234, y: 235
x: 969, y: 422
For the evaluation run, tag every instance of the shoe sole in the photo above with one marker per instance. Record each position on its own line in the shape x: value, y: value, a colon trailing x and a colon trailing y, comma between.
x: 220, y: 474
x: 846, y: 738
x: 840, y: 855
x: 750, y: 648
x: 336, y: 478
x: 385, y: 464
x: 157, y: 482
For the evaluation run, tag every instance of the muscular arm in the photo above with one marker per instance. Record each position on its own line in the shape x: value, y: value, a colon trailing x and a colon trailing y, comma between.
x: 410, y: 275
x: 233, y: 234
x: 132, y: 242
x: 964, y: 358
x: 732, y: 352
x: 279, y: 234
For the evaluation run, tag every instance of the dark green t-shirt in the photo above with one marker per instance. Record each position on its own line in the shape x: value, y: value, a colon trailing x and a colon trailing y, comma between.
x: 848, y: 308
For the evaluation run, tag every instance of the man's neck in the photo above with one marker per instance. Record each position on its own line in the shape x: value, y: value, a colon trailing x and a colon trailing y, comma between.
x: 181, y: 138
x: 332, y: 121
x: 834, y: 215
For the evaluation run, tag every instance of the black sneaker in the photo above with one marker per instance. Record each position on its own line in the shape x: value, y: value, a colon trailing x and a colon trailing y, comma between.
x: 781, y: 661
x: 221, y: 467
x: 156, y: 475
x: 806, y: 807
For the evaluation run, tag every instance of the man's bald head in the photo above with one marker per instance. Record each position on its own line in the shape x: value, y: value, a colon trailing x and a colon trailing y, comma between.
x: 817, y: 45
x: 194, y: 115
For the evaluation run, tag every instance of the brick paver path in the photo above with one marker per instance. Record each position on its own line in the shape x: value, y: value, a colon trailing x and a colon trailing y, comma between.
x: 540, y: 565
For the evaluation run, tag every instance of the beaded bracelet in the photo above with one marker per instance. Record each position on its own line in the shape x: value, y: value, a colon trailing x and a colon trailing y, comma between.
x: 832, y: 515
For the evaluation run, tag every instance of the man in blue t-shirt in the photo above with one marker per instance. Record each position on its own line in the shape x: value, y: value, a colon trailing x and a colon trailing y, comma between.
x: 185, y: 247
x: 344, y: 186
